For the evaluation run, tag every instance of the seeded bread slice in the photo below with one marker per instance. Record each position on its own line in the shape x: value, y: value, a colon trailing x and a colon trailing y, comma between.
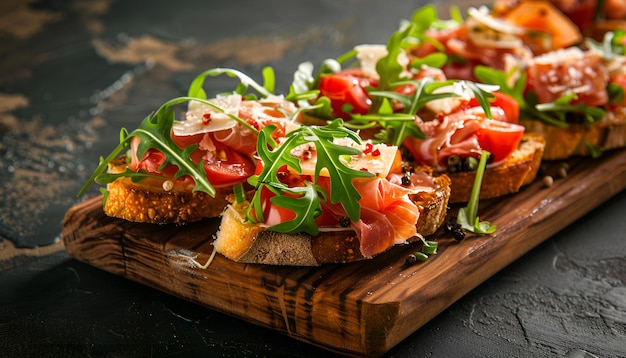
x: 518, y: 170
x: 244, y: 242
x: 563, y: 143
x: 151, y: 201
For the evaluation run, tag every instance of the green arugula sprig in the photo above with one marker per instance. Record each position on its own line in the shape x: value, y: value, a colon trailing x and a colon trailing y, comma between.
x: 612, y: 44
x: 395, y: 127
x: 558, y: 113
x: 468, y: 216
x: 306, y: 201
x: 245, y: 82
x: 155, y: 130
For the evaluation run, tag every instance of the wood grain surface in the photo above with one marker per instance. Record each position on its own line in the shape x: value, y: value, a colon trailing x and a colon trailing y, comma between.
x: 359, y: 309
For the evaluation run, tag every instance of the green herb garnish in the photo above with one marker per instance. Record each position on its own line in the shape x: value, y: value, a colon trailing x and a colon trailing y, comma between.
x: 560, y: 113
x: 468, y: 216
x: 155, y: 130
x: 306, y: 201
x: 428, y: 248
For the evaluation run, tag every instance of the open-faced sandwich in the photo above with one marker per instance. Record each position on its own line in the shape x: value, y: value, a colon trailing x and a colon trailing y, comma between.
x: 323, y: 195
x: 396, y: 98
x: 286, y: 194
x: 569, y: 89
x: 182, y: 171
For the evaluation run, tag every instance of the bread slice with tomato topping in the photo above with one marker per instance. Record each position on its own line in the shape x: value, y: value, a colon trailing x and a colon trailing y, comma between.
x: 509, y: 176
x: 160, y: 200
x: 181, y: 172
x: 393, y: 207
x: 242, y: 241
x: 453, y: 143
x: 594, y: 120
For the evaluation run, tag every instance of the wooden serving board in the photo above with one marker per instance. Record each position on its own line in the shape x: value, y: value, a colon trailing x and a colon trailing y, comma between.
x: 362, y: 308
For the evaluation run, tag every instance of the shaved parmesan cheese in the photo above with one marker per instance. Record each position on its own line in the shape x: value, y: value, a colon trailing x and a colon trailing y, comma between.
x: 488, y: 31
x: 376, y: 158
x: 483, y: 16
x: 368, y: 55
x: 462, y: 92
x: 203, y: 118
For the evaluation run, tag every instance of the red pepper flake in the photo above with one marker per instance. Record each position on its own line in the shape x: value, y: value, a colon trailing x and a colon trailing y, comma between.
x: 206, y: 118
x: 364, y: 170
x: 376, y: 152
x: 368, y: 148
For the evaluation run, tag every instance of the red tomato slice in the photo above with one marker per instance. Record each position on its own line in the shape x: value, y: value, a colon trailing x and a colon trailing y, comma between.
x: 346, y: 88
x: 499, y: 138
x: 508, y: 104
x: 227, y: 167
x: 232, y: 169
x: 273, y: 214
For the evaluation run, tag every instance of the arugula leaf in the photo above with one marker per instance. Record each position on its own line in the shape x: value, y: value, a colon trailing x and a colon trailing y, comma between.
x: 435, y: 60
x: 616, y: 93
x: 612, y: 44
x: 307, y: 205
x: 395, y: 127
x: 275, y: 157
x: 135, y: 176
x: 300, y: 89
x: 388, y: 67
x: 196, y: 90
x: 468, y: 216
x: 559, y: 113
x: 492, y: 76
x: 563, y: 106
x: 154, y: 132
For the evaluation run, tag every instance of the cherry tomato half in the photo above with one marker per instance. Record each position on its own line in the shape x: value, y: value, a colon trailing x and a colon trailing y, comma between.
x: 346, y: 91
x: 499, y: 138
x: 233, y: 168
x: 223, y: 167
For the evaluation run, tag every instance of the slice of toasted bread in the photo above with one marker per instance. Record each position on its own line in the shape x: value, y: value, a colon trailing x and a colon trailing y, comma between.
x: 518, y: 170
x: 563, y: 143
x: 244, y: 242
x: 150, y: 202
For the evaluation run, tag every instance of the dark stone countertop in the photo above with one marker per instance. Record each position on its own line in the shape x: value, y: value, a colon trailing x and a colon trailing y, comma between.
x: 72, y: 73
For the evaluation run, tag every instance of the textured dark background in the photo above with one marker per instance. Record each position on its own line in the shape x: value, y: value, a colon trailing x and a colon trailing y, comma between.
x: 73, y: 72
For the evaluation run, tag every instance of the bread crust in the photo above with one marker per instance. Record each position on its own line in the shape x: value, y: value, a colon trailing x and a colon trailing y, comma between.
x: 151, y: 204
x: 244, y: 242
x: 563, y: 143
x: 518, y: 170
x: 149, y: 201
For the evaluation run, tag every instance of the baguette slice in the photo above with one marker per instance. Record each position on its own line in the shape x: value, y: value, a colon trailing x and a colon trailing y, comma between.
x: 563, y: 143
x: 518, y: 170
x: 244, y: 242
x: 149, y: 202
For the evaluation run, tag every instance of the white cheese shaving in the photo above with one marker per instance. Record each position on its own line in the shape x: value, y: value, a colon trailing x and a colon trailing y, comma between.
x: 488, y: 31
x: 202, y: 118
x: 462, y: 92
x: 378, y: 160
x: 483, y: 16
x: 369, y: 55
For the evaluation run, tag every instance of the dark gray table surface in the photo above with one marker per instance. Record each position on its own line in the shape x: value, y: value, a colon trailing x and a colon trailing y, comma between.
x: 73, y: 72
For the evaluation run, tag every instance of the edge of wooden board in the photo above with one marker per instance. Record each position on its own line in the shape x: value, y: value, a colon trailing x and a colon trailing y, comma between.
x: 362, y: 308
